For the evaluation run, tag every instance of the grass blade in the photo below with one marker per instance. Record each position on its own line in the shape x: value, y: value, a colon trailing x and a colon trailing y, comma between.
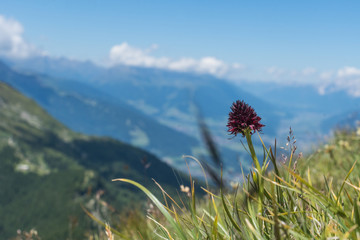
x: 160, y: 206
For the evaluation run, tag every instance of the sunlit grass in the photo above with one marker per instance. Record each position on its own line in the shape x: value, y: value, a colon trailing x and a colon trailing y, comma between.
x: 314, y: 197
x: 284, y: 196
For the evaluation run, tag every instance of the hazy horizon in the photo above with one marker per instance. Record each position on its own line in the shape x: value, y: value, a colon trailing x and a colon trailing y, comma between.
x: 298, y: 42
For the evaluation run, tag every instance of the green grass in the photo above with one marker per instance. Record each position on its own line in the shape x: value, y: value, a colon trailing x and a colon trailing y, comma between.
x: 313, y: 197
x: 47, y: 172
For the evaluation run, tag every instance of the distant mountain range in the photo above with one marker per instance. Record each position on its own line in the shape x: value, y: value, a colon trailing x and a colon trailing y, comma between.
x: 167, y: 95
x: 172, y: 100
x: 85, y: 109
x: 48, y: 171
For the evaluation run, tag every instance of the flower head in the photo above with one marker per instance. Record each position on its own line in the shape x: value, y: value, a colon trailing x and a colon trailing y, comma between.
x: 243, y: 118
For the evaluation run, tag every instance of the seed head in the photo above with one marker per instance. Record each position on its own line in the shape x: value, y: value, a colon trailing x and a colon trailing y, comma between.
x: 243, y: 118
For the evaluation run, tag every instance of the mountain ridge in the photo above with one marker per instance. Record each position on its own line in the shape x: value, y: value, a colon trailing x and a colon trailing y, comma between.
x: 104, y: 116
x: 175, y: 99
x: 47, y: 171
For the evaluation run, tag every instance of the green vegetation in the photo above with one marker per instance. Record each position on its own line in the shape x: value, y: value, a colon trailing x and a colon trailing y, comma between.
x: 47, y: 172
x: 86, y: 109
x: 51, y: 177
x: 313, y: 197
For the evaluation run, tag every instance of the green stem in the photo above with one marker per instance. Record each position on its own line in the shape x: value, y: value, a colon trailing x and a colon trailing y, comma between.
x: 252, y: 150
x: 258, y: 179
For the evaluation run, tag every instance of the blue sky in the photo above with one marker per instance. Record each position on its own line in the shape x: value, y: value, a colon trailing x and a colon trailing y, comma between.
x: 276, y: 40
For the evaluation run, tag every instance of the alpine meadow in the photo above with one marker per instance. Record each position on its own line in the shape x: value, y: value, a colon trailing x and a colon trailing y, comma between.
x: 189, y: 120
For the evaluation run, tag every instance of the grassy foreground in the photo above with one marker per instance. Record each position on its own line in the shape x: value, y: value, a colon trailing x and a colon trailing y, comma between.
x: 314, y: 197
x: 285, y: 195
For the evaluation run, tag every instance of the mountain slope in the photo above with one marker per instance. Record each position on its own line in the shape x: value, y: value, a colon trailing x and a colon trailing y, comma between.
x: 88, y: 110
x: 47, y: 171
x: 168, y: 96
x: 161, y: 93
x: 172, y: 98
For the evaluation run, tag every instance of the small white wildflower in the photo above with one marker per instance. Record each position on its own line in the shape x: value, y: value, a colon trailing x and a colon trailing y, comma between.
x: 344, y: 144
x: 150, y: 208
x: 234, y: 185
x: 108, y: 232
x: 185, y: 190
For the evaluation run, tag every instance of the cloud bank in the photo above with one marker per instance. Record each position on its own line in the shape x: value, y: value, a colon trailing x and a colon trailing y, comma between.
x: 343, y: 79
x: 347, y: 78
x: 12, y: 43
x: 128, y: 55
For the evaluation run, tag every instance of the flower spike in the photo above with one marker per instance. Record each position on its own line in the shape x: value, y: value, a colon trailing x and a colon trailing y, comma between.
x: 243, y: 118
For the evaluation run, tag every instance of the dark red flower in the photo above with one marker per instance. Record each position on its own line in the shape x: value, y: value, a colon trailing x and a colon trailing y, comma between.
x: 243, y: 118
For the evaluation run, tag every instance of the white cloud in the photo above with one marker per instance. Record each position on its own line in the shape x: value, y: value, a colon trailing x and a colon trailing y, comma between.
x: 209, y: 65
x: 238, y: 66
x: 349, y: 78
x: 308, y: 71
x: 12, y: 43
x: 280, y: 74
x: 351, y: 85
x: 326, y: 75
x: 275, y: 72
x: 128, y: 55
x: 344, y: 79
x: 348, y: 72
x: 125, y: 54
